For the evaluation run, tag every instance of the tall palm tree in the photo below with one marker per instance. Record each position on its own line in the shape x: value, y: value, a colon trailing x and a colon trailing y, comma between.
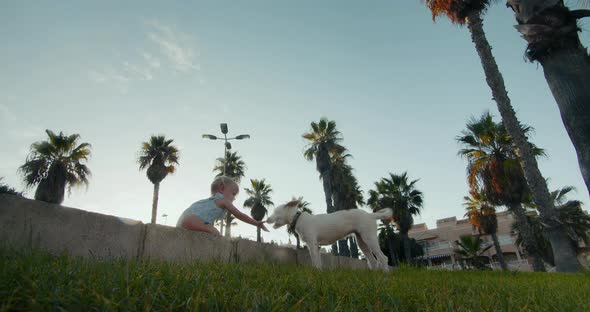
x: 54, y: 164
x: 471, y: 250
x: 324, y: 140
x: 303, y: 206
x: 234, y: 167
x: 551, y: 31
x: 258, y: 201
x: 494, y: 170
x: 159, y: 157
x: 399, y: 193
x: 469, y: 12
x: 482, y: 215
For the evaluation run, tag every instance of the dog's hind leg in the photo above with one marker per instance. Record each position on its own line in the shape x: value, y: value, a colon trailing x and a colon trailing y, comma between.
x: 374, y: 247
x: 371, y: 261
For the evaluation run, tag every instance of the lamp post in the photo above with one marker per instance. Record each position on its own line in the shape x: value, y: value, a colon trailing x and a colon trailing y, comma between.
x: 227, y: 145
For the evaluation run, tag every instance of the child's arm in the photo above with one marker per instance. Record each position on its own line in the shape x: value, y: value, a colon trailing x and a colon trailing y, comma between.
x: 242, y: 216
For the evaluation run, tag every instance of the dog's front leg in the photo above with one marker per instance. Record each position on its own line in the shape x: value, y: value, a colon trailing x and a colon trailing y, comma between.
x: 314, y: 253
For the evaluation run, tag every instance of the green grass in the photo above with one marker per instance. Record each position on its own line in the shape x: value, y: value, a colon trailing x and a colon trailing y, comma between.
x: 38, y: 281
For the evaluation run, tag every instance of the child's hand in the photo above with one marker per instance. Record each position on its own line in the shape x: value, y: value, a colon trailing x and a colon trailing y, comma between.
x: 261, y: 225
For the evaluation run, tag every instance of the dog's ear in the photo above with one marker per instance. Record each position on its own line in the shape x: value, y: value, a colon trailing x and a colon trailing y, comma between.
x: 293, y: 203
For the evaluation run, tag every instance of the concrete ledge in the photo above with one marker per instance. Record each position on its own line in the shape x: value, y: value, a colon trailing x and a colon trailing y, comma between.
x: 180, y: 245
x: 356, y: 264
x: 251, y: 251
x: 35, y: 224
x: 26, y: 223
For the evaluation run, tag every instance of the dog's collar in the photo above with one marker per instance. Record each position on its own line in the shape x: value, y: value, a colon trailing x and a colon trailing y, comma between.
x: 292, y: 225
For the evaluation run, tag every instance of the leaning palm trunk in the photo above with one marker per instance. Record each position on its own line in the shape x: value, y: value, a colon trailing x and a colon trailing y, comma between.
x: 528, y: 238
x: 565, y: 254
x: 553, y: 41
x: 499, y: 254
x: 568, y: 76
x: 155, y: 202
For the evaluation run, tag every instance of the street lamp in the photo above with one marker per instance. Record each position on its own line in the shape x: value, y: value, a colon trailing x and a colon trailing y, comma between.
x: 227, y: 145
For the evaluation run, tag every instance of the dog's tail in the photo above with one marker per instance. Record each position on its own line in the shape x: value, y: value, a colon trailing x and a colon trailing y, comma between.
x: 383, y: 214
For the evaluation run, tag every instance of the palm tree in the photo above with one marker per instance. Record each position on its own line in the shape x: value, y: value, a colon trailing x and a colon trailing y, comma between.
x: 159, y: 157
x: 258, y: 200
x: 482, y: 215
x: 324, y: 140
x: 493, y: 169
x: 303, y: 206
x: 471, y: 250
x: 54, y: 164
x: 233, y: 164
x: 469, y: 12
x: 551, y: 31
x: 398, y: 193
x: 234, y: 167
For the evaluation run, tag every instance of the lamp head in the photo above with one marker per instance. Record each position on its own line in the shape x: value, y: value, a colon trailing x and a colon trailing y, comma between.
x: 223, y: 127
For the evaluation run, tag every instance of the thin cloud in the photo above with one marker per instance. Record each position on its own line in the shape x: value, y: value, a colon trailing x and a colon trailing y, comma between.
x: 177, y: 46
x: 173, y: 47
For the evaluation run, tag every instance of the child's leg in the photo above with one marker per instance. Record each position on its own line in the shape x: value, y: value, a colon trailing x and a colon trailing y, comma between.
x: 193, y: 223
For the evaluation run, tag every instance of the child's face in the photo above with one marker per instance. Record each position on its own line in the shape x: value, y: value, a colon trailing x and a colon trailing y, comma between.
x: 230, y: 191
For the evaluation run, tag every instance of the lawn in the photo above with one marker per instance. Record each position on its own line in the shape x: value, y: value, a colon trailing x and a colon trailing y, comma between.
x: 39, y: 281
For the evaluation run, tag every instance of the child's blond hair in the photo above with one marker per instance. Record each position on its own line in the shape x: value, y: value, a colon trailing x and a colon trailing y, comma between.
x: 221, y: 181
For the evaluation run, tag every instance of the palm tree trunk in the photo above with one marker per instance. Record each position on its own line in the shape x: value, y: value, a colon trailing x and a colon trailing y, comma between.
x: 155, y: 202
x: 258, y: 237
x: 407, y: 249
x: 528, y: 238
x: 392, y: 254
x: 329, y: 206
x: 354, y: 251
x: 327, y: 191
x: 343, y: 248
x: 568, y: 74
x: 566, y: 66
x: 221, y: 223
x: 390, y: 244
x: 228, y: 220
x: 565, y: 258
x: 499, y: 254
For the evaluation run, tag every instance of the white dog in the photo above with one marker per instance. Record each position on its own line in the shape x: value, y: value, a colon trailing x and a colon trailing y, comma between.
x: 324, y: 229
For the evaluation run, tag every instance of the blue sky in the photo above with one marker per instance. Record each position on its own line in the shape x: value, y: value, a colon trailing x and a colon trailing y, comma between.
x: 399, y: 86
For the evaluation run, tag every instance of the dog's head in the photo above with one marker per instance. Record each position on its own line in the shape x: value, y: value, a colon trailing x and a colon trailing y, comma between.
x: 283, y: 213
